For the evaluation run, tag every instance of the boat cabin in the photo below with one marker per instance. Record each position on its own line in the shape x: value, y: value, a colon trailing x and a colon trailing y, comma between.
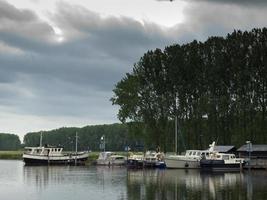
x: 105, y: 155
x: 221, y: 156
x: 51, y: 151
x: 196, y: 153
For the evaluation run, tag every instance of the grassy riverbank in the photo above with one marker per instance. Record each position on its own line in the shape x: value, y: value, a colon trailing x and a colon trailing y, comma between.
x: 11, y: 155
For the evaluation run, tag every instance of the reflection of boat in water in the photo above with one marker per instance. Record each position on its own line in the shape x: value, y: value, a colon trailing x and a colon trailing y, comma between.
x: 178, y: 184
x: 216, y: 161
x: 110, y: 158
x: 52, y: 155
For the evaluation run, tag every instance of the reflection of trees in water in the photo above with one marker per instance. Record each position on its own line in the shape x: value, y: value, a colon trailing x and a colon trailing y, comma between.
x: 42, y: 176
x: 181, y: 184
x: 103, y: 179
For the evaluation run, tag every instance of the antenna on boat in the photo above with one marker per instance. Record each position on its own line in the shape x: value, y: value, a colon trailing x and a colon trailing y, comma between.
x: 41, y: 139
x: 76, y: 147
x: 176, y: 133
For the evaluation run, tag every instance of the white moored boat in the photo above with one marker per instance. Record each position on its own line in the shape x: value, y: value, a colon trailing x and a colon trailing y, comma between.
x: 52, y: 155
x: 216, y: 161
x: 49, y: 155
x: 154, y: 159
x: 190, y: 160
x: 110, y: 158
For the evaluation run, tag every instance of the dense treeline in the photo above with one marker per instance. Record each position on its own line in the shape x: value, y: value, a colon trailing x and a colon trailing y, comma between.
x: 116, y: 137
x: 216, y: 88
x: 9, y: 142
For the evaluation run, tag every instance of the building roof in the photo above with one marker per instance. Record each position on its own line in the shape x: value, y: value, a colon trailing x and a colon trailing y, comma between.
x: 223, y: 149
x: 255, y: 147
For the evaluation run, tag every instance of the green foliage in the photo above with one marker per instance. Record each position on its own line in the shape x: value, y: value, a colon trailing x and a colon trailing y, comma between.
x: 222, y: 78
x: 9, y: 141
x: 116, y: 137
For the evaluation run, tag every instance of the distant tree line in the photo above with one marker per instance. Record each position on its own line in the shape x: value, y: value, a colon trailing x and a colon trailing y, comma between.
x: 89, y: 138
x: 9, y: 142
x: 216, y: 88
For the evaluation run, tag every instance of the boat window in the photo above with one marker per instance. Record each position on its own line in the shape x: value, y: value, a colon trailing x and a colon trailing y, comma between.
x: 218, y: 156
x: 194, y: 153
x: 207, y: 154
x: 225, y: 157
x: 190, y: 153
x: 198, y: 153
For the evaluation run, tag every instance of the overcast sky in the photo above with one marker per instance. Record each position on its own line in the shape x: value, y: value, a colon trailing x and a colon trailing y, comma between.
x: 60, y: 60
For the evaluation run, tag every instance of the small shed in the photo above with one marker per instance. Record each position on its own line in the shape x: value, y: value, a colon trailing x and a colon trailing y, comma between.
x: 257, y: 151
x: 258, y: 155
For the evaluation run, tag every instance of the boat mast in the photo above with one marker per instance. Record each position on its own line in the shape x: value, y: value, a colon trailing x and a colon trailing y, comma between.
x: 176, y: 134
x: 76, y: 147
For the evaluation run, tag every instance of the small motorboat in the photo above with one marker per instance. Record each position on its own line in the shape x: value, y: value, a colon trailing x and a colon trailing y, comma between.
x: 110, y: 159
x: 135, y: 161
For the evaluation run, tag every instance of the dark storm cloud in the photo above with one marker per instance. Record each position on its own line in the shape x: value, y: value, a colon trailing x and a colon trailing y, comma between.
x: 204, y: 19
x: 74, y: 77
x: 23, y: 23
x: 120, y: 37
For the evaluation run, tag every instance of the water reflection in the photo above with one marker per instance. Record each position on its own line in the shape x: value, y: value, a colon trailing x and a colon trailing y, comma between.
x: 69, y: 181
x: 192, y: 184
x: 65, y: 182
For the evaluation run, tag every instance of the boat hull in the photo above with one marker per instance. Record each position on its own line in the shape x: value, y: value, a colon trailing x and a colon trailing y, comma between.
x: 220, y: 165
x: 135, y: 164
x: 55, y: 160
x: 177, y: 163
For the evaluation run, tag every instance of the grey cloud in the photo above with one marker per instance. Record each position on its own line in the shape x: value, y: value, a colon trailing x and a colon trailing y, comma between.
x: 256, y: 3
x: 23, y: 23
x: 7, y: 11
x: 75, y: 77
x: 204, y: 19
x: 120, y: 37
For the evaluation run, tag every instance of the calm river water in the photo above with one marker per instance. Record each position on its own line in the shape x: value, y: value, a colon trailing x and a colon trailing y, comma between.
x: 19, y: 182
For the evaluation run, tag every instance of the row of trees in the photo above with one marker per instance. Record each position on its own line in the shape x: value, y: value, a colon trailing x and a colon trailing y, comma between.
x: 9, y: 142
x: 116, y: 137
x: 216, y: 88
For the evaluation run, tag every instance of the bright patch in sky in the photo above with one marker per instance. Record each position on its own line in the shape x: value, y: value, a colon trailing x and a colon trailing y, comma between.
x: 164, y: 13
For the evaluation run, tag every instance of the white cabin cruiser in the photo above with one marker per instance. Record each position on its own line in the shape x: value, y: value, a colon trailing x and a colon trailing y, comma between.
x: 154, y: 159
x: 216, y: 161
x: 190, y: 160
x: 110, y: 158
